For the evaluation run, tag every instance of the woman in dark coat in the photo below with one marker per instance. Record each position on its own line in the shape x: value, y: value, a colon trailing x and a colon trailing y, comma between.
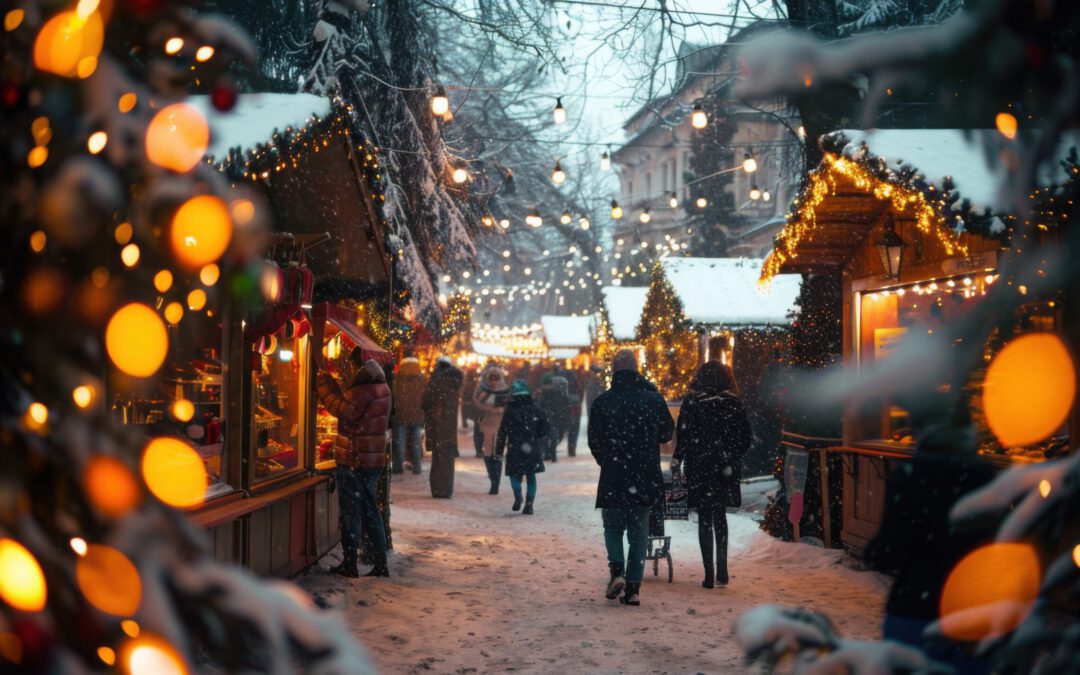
x: 713, y: 435
x: 440, y: 405
x: 555, y: 402
x: 521, y: 435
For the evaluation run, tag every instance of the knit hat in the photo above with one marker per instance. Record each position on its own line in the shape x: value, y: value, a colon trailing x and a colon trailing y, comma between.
x: 519, y: 388
x: 624, y: 360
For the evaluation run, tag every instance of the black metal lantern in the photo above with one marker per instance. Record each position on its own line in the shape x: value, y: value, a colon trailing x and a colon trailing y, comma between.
x: 891, y: 249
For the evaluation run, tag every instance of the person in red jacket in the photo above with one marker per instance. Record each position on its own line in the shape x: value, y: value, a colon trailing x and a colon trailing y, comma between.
x: 360, y: 450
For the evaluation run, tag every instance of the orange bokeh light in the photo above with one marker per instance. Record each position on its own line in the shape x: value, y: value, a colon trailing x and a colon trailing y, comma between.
x: 177, y: 137
x: 1006, y: 125
x: 990, y: 591
x: 196, y: 299
x: 1029, y: 389
x: 201, y: 231
x: 110, y: 486
x: 163, y: 281
x: 150, y: 655
x: 109, y: 581
x: 69, y: 44
x: 183, y: 409
x: 22, y: 583
x: 136, y: 340
x: 174, y: 312
x: 174, y: 472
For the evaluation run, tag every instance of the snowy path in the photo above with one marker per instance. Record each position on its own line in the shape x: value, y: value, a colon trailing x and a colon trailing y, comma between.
x: 478, y: 588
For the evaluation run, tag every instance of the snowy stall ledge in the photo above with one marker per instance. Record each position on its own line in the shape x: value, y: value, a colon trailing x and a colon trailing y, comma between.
x: 912, y: 222
x: 567, y: 337
x: 623, y: 306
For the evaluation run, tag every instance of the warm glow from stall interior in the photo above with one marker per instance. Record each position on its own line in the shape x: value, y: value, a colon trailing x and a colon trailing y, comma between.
x: 109, y: 581
x: 136, y: 340
x: 200, y: 232
x: 990, y: 591
x: 69, y: 44
x: 110, y: 486
x: 150, y: 655
x: 174, y: 472
x: 22, y: 583
x: 177, y: 138
x: 1029, y: 389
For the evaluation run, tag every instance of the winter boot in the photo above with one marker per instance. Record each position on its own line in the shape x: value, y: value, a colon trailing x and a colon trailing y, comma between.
x: 528, y: 510
x: 721, y: 572
x: 617, y: 582
x: 630, y: 595
x: 517, y: 500
x: 379, y: 571
x: 347, y: 568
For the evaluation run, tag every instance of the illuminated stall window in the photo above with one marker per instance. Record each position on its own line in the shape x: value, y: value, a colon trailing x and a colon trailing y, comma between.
x: 886, y: 316
x: 277, y: 395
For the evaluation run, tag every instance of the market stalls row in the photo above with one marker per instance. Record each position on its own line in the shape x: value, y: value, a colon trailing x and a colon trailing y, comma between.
x: 894, y: 214
x: 239, y: 385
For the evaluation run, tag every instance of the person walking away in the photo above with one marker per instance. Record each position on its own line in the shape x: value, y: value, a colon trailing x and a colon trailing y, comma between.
x: 555, y: 402
x: 408, y: 389
x: 492, y: 395
x: 627, y: 425
x: 440, y: 405
x: 575, y: 380
x: 363, y: 413
x: 594, y: 386
x: 917, y: 542
x: 713, y: 435
x: 521, y: 435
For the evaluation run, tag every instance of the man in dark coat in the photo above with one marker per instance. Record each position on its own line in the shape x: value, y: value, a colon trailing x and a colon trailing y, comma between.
x: 408, y: 416
x: 521, y: 436
x: 627, y: 426
x: 363, y: 412
x: 440, y: 404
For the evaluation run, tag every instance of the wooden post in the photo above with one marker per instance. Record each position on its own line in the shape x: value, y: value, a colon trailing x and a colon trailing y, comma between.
x: 826, y: 516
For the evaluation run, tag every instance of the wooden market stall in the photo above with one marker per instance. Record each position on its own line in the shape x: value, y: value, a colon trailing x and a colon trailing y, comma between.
x: 616, y: 325
x: 568, y: 338
x: 885, y: 211
x: 316, y: 173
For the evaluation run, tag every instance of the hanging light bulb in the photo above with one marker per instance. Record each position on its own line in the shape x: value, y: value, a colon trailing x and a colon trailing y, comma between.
x: 702, y: 202
x: 765, y: 196
x: 755, y: 193
x: 440, y: 105
x: 645, y: 216
x: 565, y: 218
x: 674, y: 201
x: 460, y: 175
x: 605, y: 162
x: 698, y: 118
x: 559, y: 112
x: 584, y: 222
x: 616, y: 210
x: 558, y: 176
x: 749, y: 164
x: 534, y: 219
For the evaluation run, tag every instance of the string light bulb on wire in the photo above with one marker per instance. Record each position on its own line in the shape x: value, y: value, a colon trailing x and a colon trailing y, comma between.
x: 460, y: 175
x: 565, y: 218
x: 645, y: 216
x: 749, y: 164
x: 702, y: 202
x: 673, y: 201
x: 440, y: 104
x: 560, y: 112
x: 755, y: 192
x: 558, y: 176
x: 605, y: 161
x: 765, y: 196
x: 534, y: 219
x: 584, y: 222
x: 698, y: 118
x: 616, y: 210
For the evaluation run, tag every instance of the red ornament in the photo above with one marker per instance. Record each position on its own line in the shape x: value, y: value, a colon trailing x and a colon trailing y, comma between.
x: 224, y: 97
x: 298, y: 285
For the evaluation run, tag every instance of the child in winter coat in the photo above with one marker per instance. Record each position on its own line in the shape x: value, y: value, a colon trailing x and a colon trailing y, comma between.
x: 521, y: 434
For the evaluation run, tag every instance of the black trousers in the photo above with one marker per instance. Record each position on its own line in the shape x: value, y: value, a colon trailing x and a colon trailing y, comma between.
x: 712, y: 529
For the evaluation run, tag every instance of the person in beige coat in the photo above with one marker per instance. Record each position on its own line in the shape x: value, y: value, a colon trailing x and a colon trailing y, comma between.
x: 492, y: 395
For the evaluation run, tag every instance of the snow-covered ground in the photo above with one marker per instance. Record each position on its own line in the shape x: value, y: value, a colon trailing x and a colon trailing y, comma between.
x: 479, y: 588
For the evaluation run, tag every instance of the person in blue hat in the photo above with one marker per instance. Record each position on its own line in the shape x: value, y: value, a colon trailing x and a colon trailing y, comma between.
x: 521, y: 434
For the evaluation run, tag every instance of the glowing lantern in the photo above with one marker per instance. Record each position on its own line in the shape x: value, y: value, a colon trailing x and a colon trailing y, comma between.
x: 201, y: 230
x: 149, y: 655
x: 174, y: 312
x: 698, y: 118
x: 183, y: 409
x: 22, y: 583
x: 990, y: 591
x: 1029, y: 389
x: 108, y: 580
x: 174, y: 472
x: 110, y: 486
x: 177, y: 138
x: 69, y: 44
x: 136, y: 341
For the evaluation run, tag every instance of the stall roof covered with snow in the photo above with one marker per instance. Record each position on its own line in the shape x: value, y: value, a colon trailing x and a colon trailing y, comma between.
x: 951, y: 186
x: 725, y: 291
x: 568, y: 332
x: 319, y: 173
x: 624, y: 305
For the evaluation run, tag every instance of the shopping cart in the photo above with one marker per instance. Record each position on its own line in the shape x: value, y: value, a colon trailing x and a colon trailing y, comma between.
x: 672, y: 506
